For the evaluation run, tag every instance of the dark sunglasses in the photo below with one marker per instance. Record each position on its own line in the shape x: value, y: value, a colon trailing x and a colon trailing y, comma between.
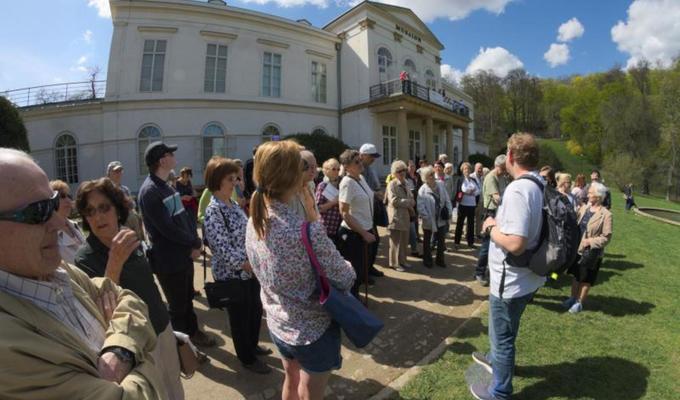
x: 65, y: 196
x: 92, y: 211
x: 399, y: 171
x: 35, y: 213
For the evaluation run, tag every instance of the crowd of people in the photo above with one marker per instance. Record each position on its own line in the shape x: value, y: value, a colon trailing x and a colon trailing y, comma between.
x: 249, y: 217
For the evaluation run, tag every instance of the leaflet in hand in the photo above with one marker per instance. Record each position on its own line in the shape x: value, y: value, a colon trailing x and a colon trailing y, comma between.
x: 331, y: 193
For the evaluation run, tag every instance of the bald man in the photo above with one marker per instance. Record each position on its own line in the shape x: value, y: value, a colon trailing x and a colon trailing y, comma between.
x: 64, y: 336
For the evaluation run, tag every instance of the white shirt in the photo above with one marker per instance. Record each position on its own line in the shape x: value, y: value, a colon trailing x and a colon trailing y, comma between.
x: 473, y: 188
x: 518, y: 214
x: 68, y: 246
x: 360, y: 199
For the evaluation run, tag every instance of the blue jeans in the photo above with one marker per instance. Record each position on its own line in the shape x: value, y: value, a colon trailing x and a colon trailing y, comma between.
x: 504, y: 316
x: 413, y: 236
x: 483, y: 258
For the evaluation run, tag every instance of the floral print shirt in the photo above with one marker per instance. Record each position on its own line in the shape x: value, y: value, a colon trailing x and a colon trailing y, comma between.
x: 289, y: 287
x: 225, y: 230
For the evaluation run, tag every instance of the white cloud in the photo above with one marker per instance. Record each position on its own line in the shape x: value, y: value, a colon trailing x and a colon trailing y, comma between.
x: 451, y: 74
x: 496, y: 59
x: 429, y: 10
x: 102, y: 6
x: 80, y: 65
x: 558, y: 54
x: 570, y: 30
x: 651, y: 32
x: 87, y: 36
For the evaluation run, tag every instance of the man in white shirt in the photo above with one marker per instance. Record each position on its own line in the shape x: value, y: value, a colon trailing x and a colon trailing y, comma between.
x: 515, y: 229
x: 369, y: 154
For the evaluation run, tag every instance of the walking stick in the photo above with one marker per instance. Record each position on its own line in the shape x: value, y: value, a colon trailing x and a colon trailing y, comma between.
x: 366, y: 274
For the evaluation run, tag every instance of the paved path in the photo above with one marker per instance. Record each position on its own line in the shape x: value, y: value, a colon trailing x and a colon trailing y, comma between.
x: 420, y: 308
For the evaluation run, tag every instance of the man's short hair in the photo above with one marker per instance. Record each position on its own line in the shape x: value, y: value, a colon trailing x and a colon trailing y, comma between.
x: 500, y: 160
x: 348, y: 156
x: 524, y: 149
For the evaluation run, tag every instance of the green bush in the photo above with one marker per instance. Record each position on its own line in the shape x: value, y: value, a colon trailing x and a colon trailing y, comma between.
x: 323, y: 146
x: 547, y: 156
x: 12, y: 130
x: 481, y: 158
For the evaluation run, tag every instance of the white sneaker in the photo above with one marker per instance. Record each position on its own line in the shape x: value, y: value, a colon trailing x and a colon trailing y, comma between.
x: 576, y: 308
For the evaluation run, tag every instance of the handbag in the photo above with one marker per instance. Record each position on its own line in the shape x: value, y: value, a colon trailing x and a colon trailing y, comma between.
x: 188, y: 355
x: 359, y: 324
x: 444, y: 213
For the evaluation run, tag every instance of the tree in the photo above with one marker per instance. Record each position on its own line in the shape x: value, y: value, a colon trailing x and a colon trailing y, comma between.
x: 92, y: 77
x: 323, y: 146
x: 486, y: 90
x: 12, y: 130
x: 670, y: 128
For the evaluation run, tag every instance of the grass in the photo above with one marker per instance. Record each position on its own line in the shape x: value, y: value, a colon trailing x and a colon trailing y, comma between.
x: 570, y: 163
x: 625, y: 345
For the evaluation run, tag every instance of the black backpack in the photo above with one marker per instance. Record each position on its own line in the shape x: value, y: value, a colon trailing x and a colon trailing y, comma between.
x: 560, y: 236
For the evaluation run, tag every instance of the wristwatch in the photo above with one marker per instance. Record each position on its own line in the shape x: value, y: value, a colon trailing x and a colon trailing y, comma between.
x: 123, y: 355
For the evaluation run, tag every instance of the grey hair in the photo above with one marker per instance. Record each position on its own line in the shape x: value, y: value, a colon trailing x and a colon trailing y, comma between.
x: 600, y: 189
x: 425, y: 171
x: 500, y: 160
x: 396, y: 165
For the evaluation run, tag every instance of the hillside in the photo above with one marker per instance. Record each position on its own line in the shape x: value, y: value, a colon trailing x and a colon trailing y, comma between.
x: 568, y: 162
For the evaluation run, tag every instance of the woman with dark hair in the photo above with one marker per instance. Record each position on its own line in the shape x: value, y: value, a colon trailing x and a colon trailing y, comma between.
x: 187, y: 192
x: 113, y: 251
x: 225, y: 230
x: 548, y: 173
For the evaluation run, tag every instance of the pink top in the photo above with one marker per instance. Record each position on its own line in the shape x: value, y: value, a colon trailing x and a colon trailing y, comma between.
x: 289, y: 293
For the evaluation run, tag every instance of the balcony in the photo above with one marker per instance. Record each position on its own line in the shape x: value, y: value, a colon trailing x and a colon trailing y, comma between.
x: 397, y: 87
x: 59, y: 93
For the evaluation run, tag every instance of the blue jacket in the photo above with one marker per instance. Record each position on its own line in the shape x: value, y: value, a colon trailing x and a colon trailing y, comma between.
x: 168, y: 225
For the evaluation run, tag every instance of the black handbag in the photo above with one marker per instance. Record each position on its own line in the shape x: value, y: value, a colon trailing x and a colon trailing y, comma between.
x: 444, y: 213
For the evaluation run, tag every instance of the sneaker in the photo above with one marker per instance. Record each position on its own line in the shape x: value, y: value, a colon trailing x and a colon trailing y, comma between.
x: 481, y: 392
x: 482, y: 280
x: 399, y: 268
x: 373, y: 271
x: 576, y: 308
x: 481, y: 359
x: 568, y: 302
x: 202, y: 339
x: 406, y: 266
x: 262, y: 351
x: 258, y: 367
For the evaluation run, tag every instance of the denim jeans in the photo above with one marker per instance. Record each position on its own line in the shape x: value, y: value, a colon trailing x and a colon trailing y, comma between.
x: 483, y: 259
x: 504, y: 316
x: 413, y: 236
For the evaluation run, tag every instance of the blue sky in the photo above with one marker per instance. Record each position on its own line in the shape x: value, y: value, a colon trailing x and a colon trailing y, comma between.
x: 53, y: 41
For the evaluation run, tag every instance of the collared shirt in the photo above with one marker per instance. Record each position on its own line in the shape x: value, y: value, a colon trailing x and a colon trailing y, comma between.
x: 69, y: 245
x: 55, y: 296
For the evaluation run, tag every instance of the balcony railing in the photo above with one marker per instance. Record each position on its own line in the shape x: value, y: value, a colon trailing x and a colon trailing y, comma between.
x: 411, y: 88
x: 56, y: 93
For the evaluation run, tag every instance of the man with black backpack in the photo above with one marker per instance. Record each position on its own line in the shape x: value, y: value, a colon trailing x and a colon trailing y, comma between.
x: 516, y: 228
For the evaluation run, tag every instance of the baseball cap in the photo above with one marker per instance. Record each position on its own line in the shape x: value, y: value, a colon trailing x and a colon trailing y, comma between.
x: 113, y: 165
x: 156, y: 150
x: 369, y: 149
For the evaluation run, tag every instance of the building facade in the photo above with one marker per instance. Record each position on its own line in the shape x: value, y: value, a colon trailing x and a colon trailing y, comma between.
x: 216, y: 79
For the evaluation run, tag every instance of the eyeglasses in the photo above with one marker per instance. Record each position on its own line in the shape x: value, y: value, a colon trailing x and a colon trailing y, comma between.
x: 235, y: 178
x: 35, y: 213
x: 65, y: 196
x: 399, y: 171
x: 92, y: 211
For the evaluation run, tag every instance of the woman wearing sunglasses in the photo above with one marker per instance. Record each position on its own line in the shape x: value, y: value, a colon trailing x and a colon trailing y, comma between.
x: 113, y: 251
x: 327, y: 198
x: 70, y: 237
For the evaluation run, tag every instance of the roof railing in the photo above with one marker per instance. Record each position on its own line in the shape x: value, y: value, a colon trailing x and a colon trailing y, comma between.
x: 56, y: 93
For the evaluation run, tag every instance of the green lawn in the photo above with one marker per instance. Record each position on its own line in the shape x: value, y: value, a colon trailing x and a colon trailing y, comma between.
x: 570, y: 163
x: 625, y: 345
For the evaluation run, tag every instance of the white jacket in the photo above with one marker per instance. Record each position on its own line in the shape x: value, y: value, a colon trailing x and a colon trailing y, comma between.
x: 427, y: 210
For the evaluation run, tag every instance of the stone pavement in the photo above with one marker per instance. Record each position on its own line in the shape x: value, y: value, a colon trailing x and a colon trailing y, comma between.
x: 420, y: 308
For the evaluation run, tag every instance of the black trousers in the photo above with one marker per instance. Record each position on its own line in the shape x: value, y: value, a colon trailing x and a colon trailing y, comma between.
x: 245, y: 321
x: 179, y: 291
x: 466, y: 213
x: 359, y: 254
x: 439, y: 236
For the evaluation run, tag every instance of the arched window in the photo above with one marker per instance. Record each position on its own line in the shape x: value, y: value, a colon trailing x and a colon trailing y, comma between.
x: 384, y: 64
x: 319, y: 131
x: 430, y: 80
x: 455, y: 157
x: 148, y: 134
x: 66, y: 157
x: 410, y: 67
x: 213, y: 142
x: 270, y: 132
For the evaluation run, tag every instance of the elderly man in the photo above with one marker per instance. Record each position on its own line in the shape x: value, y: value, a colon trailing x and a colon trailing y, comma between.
x: 478, y: 178
x: 368, y: 154
x: 63, y: 335
x: 114, y: 171
x: 303, y: 203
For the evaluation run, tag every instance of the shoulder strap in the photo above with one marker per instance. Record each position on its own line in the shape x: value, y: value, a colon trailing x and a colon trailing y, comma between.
x: 322, y: 280
x: 370, y: 199
x: 534, y: 180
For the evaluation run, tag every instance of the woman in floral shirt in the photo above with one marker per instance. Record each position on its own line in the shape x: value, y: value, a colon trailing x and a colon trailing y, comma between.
x: 306, y: 337
x: 225, y: 230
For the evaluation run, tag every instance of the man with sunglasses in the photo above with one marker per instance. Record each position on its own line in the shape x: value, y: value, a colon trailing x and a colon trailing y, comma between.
x: 174, y: 241
x: 64, y: 336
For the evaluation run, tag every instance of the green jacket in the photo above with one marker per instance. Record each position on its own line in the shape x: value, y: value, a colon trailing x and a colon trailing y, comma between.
x: 43, y: 359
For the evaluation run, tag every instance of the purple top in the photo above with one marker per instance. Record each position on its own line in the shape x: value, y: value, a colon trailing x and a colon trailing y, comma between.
x: 289, y: 292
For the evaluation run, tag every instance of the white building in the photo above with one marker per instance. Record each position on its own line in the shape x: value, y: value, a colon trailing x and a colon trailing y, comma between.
x: 216, y: 79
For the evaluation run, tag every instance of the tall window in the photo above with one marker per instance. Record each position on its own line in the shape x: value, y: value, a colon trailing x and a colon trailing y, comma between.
x: 270, y: 132
x: 153, y: 60
x: 389, y: 136
x: 384, y: 64
x: 414, y: 144
x: 410, y: 67
x: 319, y: 82
x: 271, y: 75
x: 215, y: 69
x: 455, y: 157
x: 430, y: 80
x: 213, y: 142
x: 66, y: 157
x: 147, y: 134
x: 436, y: 144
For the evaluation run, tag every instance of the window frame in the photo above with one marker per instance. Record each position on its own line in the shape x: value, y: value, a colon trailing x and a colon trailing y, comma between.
x: 154, y: 55
x: 387, y: 73
x: 215, y: 71
x: 69, y: 153
x: 271, y: 74
x: 389, y: 143
x: 205, y: 136
x: 320, y: 91
x: 142, y: 167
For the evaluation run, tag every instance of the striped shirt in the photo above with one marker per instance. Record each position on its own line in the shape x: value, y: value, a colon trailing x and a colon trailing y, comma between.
x: 55, y: 296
